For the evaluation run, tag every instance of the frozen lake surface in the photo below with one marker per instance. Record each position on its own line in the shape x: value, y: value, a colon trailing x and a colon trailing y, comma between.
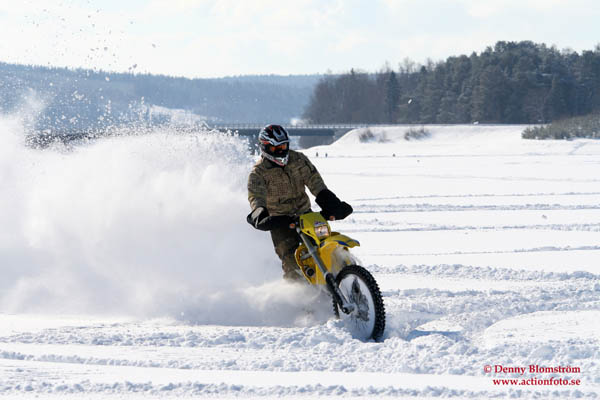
x: 129, y: 270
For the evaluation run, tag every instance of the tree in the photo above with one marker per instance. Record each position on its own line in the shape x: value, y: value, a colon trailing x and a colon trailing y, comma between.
x: 392, y: 97
x: 490, y: 96
x: 510, y: 82
x: 555, y: 105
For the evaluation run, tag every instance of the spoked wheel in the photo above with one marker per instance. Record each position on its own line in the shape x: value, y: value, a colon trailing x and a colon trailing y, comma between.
x: 358, y: 286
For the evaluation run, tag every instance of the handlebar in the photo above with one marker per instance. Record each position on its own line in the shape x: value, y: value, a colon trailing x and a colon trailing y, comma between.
x: 296, y: 220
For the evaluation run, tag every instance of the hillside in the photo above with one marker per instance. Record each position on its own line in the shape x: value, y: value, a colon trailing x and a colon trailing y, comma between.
x: 509, y: 83
x: 73, y: 100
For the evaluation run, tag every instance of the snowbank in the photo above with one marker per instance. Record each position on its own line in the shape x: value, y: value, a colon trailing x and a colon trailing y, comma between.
x: 448, y: 140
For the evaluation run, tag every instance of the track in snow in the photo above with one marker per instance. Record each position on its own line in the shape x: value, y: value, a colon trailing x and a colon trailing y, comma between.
x: 493, y: 267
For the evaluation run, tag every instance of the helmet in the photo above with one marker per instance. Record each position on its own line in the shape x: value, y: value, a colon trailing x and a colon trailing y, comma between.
x: 274, y: 144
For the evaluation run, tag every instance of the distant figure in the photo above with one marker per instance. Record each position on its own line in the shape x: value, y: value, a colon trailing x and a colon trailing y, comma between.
x: 317, y: 154
x: 325, y: 155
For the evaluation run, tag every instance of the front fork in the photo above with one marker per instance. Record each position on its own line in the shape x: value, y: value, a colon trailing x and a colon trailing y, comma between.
x: 335, y: 292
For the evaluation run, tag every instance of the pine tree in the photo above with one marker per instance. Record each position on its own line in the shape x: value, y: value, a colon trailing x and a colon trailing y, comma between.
x: 555, y: 105
x: 392, y: 97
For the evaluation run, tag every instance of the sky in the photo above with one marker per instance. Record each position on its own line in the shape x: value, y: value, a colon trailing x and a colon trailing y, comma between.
x: 215, y: 38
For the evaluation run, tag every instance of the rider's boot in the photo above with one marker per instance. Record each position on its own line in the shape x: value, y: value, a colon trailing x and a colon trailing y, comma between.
x: 291, y: 271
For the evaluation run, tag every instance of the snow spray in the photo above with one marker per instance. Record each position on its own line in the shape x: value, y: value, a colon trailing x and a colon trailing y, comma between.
x: 142, y: 225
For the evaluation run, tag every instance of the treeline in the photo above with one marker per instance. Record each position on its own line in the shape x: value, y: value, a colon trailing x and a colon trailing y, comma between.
x: 67, y: 100
x: 513, y: 82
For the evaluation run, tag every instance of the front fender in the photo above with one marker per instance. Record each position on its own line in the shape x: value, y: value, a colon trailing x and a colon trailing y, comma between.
x: 339, y: 239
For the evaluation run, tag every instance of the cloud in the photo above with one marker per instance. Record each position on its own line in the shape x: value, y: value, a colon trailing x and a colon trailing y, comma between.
x: 350, y: 42
x: 229, y: 37
x: 483, y: 9
x: 158, y: 8
x: 487, y: 9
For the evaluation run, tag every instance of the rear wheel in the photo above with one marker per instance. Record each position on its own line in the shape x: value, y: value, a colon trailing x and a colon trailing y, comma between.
x: 367, y: 320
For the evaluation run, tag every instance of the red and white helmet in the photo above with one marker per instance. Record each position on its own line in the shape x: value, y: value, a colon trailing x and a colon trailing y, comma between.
x: 274, y: 143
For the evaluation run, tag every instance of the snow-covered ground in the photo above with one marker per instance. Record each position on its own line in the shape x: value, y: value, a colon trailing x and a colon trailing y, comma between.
x: 128, y: 270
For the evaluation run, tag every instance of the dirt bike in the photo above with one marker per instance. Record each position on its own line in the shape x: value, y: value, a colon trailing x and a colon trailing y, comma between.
x: 325, y: 260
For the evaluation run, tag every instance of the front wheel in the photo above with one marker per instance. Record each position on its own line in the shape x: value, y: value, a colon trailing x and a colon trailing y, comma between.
x: 358, y: 286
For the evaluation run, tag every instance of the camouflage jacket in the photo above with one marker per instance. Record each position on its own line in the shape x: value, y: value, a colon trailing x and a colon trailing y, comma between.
x: 281, y: 189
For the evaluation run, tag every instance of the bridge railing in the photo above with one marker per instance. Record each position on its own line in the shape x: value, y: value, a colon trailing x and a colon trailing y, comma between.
x: 291, y: 126
x: 294, y: 130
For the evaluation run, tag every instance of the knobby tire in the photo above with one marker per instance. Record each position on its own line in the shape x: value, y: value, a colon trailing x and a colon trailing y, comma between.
x: 374, y: 292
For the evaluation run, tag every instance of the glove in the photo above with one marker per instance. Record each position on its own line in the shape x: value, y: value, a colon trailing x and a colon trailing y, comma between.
x: 344, y: 209
x: 276, y: 222
x: 332, y: 206
x: 260, y: 219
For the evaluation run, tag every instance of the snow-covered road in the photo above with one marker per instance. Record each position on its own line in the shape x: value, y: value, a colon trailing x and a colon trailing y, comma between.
x: 486, y: 248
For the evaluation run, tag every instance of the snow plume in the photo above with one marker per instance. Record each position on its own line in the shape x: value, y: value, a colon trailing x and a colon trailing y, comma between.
x: 143, y: 225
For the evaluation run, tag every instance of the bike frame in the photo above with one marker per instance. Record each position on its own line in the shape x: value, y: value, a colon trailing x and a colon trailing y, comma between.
x: 313, y: 251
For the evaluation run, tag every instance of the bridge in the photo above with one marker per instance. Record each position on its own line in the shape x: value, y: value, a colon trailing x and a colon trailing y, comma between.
x: 313, y: 133
x: 323, y: 130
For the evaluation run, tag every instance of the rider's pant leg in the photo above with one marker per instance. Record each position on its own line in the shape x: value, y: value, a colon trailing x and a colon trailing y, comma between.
x: 286, y: 242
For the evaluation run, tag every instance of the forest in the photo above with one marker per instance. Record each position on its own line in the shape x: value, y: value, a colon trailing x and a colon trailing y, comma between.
x: 509, y: 83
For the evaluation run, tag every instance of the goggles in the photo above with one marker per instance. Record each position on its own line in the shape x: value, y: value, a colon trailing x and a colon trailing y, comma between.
x: 275, y: 149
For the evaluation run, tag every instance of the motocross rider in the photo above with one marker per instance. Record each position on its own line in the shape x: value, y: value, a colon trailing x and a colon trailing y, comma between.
x: 276, y: 192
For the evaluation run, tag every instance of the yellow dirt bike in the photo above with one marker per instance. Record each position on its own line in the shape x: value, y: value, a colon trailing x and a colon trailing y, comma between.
x: 325, y: 260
